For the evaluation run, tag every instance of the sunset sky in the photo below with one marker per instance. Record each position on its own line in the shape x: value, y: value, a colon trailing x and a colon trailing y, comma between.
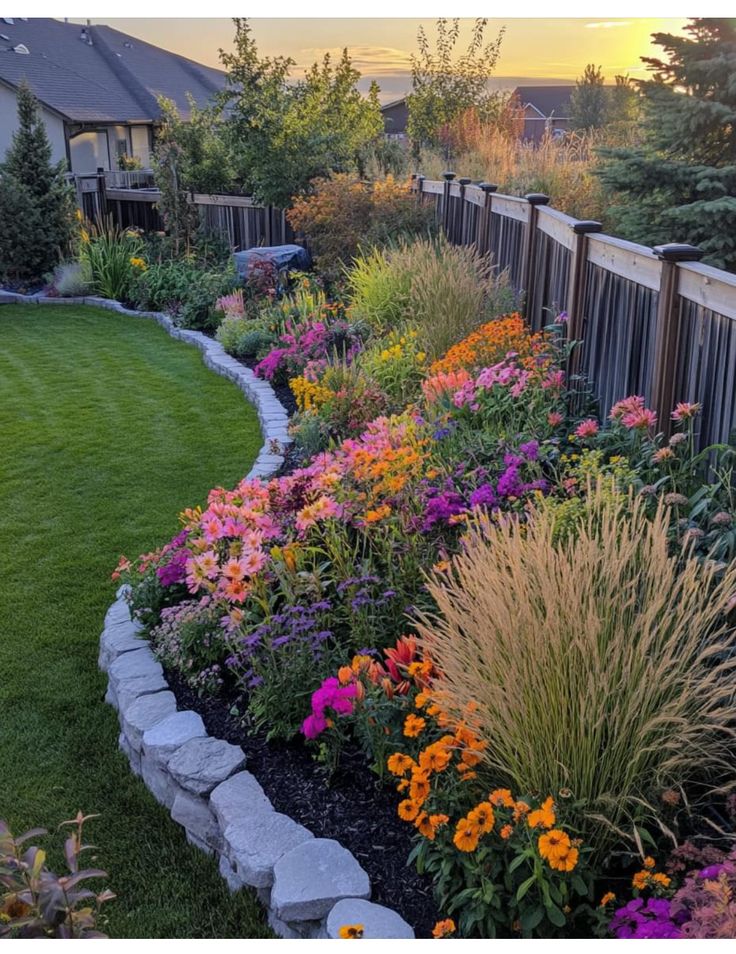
x: 533, y: 49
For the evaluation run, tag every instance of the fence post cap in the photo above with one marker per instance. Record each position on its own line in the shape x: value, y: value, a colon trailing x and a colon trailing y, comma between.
x: 583, y: 226
x: 448, y: 176
x: 677, y: 252
x: 465, y: 180
x: 537, y: 198
x: 488, y: 187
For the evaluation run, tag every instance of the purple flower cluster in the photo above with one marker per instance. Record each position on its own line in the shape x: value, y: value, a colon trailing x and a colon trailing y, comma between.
x: 330, y: 695
x: 651, y: 919
x: 361, y: 591
x: 174, y: 570
x: 297, y: 624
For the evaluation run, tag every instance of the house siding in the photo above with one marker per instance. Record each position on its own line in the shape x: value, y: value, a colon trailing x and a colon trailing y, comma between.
x: 9, y: 123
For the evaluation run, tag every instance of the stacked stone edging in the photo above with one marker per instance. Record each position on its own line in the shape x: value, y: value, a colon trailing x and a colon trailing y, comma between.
x: 310, y: 886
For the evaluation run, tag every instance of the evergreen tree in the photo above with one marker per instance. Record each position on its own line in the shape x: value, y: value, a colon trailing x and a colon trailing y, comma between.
x: 36, y: 202
x: 680, y: 184
x: 589, y: 101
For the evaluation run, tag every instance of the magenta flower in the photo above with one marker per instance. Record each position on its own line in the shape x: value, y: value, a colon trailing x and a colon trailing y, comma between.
x: 642, y: 419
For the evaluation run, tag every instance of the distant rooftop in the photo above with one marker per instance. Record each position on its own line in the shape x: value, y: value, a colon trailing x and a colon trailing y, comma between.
x: 548, y: 100
x: 97, y: 74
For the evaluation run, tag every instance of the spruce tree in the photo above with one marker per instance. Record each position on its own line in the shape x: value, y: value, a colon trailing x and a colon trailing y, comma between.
x: 36, y: 202
x: 679, y: 184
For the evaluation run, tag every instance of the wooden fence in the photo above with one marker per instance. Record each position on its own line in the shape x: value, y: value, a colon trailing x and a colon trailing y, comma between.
x: 133, y: 203
x: 654, y: 322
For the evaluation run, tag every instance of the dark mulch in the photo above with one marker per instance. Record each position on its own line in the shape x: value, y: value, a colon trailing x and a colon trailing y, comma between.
x: 354, y: 808
x: 283, y: 391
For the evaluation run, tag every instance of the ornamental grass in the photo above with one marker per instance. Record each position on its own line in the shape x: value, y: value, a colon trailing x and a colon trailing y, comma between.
x: 600, y: 664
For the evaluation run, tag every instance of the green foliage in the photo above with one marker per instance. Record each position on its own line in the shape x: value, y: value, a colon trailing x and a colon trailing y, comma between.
x: 112, y: 258
x: 36, y: 203
x: 589, y: 100
x: 189, y: 157
x: 680, y: 183
x: 444, y: 87
x: 444, y: 291
x: 245, y: 337
x: 36, y: 903
x: 286, y: 133
x: 185, y: 288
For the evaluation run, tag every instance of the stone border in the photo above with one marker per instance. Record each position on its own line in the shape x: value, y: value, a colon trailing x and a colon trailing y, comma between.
x: 310, y: 886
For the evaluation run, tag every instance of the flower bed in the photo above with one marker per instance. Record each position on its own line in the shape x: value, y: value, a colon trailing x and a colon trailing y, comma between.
x: 321, y: 602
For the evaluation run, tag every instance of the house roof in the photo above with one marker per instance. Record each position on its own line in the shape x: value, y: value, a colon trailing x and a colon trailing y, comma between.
x: 113, y: 78
x: 547, y: 100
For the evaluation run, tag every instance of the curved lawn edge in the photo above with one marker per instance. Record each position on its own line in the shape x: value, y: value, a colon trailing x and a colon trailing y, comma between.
x: 272, y: 415
x: 309, y: 886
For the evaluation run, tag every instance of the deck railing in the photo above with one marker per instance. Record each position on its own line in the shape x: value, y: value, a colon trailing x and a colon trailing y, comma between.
x: 654, y: 322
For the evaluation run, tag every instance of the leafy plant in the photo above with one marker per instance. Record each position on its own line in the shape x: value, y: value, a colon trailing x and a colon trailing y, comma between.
x: 113, y: 258
x: 36, y: 903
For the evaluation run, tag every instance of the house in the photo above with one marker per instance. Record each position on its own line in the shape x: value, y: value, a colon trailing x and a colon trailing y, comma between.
x: 395, y: 118
x: 545, y: 108
x: 97, y: 88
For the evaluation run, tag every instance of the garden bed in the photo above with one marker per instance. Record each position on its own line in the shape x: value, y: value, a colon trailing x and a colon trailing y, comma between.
x: 352, y: 807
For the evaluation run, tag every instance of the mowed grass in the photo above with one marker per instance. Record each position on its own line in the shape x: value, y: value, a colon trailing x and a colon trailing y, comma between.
x: 109, y: 428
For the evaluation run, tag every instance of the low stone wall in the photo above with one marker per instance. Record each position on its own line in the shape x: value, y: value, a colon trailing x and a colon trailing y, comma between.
x: 310, y: 886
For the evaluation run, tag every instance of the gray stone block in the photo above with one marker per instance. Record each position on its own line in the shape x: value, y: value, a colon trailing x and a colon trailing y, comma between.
x: 130, y: 689
x: 238, y: 796
x: 311, y: 878
x: 256, y: 843
x: 119, y: 612
x: 282, y: 929
x: 201, y: 764
x: 143, y: 713
x: 119, y: 638
x: 158, y: 781
x: 196, y: 843
x: 228, y: 873
x: 163, y: 739
x: 195, y: 815
x: 133, y: 757
x: 378, y: 922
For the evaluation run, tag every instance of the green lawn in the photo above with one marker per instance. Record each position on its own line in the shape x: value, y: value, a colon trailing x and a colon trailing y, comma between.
x: 108, y: 428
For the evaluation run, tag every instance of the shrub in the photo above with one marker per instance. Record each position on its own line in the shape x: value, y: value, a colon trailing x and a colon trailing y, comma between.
x: 344, y: 214
x: 601, y: 664
x: 244, y: 337
x: 379, y: 287
x: 71, y: 280
x: 34, y: 902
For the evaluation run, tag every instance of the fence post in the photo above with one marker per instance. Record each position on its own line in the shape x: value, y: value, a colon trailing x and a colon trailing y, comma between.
x: 484, y: 244
x: 576, y: 286
x: 448, y: 177
x: 669, y: 325
x: 463, y: 216
x: 535, y: 199
x: 101, y: 194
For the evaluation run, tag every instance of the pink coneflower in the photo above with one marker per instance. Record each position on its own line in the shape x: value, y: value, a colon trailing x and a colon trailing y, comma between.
x: 642, y: 419
x: 554, y: 418
x: 587, y: 428
x: 684, y: 411
x: 626, y: 406
x: 555, y: 380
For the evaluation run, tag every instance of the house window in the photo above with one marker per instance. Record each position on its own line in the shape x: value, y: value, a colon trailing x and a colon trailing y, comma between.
x: 89, y: 151
x: 141, y: 142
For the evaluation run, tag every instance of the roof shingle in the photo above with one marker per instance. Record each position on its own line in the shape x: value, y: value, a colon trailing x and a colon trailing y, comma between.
x: 115, y: 79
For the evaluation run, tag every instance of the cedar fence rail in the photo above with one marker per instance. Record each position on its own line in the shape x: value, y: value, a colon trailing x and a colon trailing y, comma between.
x: 654, y: 322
